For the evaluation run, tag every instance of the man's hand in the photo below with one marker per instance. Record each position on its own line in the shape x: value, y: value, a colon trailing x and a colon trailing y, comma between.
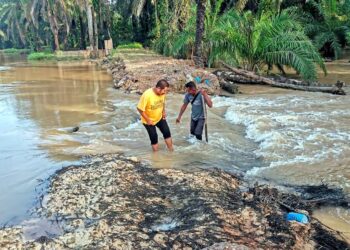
x: 178, y: 120
x: 149, y: 122
x: 207, y: 99
x: 164, y: 115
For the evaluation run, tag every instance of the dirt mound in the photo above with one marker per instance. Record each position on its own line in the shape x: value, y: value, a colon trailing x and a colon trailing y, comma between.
x: 135, y: 70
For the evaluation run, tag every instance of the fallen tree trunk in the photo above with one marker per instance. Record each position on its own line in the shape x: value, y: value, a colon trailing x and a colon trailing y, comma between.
x: 229, y: 87
x: 336, y: 89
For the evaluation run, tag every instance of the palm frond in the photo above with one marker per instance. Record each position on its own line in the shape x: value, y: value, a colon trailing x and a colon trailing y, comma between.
x: 240, y: 5
x: 2, y: 34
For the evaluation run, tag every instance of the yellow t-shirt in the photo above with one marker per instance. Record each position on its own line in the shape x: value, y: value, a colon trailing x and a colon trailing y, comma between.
x: 152, y: 104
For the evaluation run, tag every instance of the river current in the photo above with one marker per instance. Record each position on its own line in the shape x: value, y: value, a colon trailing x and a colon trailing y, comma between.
x: 279, y: 136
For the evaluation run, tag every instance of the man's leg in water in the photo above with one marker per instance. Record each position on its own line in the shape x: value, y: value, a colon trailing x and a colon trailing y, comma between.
x: 153, y: 136
x: 169, y: 144
x: 193, y: 126
x: 164, y: 128
x: 155, y: 147
x: 198, y: 130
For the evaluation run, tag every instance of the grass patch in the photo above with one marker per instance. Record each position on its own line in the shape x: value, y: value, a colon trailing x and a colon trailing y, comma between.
x: 16, y: 51
x: 39, y: 56
x: 134, y: 45
x: 58, y: 56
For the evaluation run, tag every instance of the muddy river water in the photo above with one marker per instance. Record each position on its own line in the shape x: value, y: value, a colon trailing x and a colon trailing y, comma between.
x: 285, y: 137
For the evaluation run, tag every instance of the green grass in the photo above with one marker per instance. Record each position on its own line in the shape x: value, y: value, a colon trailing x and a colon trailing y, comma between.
x: 41, y: 56
x: 16, y: 51
x: 69, y: 58
x: 134, y: 45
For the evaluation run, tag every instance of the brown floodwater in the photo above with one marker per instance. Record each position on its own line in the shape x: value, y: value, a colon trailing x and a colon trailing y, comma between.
x: 286, y: 137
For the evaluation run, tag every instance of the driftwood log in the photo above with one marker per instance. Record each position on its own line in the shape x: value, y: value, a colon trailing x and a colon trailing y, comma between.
x: 336, y: 89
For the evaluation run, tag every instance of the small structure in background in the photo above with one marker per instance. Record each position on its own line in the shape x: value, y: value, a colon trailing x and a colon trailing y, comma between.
x: 108, y: 46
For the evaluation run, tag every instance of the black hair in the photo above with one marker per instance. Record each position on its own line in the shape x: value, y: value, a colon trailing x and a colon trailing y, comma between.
x: 191, y: 85
x: 162, y: 84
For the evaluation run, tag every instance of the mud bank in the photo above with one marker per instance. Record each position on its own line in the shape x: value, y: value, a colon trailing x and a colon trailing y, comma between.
x: 118, y: 202
x: 135, y: 70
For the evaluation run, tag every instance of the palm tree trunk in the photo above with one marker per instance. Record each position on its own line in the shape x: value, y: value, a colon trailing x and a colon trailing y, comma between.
x: 21, y: 35
x: 108, y: 18
x: 82, y: 32
x: 90, y: 23
x: 57, y: 43
x: 95, y: 30
x: 53, y: 26
x: 198, y: 60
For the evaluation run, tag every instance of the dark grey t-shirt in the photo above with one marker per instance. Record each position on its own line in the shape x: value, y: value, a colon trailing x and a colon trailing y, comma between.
x: 197, y: 106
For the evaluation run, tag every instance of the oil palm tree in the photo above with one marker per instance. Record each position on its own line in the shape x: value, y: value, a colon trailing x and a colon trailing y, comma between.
x: 172, y: 23
x: 12, y: 15
x: 330, y: 26
x: 186, y: 40
x: 254, y: 42
x: 198, y: 60
x: 53, y: 12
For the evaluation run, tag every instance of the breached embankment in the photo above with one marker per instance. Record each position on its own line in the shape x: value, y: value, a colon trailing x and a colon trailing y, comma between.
x: 136, y: 70
x: 117, y: 202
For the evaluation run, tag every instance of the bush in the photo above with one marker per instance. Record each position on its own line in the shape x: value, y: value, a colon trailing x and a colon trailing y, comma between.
x: 133, y: 45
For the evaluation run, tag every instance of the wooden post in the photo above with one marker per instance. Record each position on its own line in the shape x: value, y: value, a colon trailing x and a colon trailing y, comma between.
x: 205, y: 119
x: 108, y: 46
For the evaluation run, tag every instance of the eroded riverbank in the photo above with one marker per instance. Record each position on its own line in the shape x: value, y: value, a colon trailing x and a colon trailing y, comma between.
x: 118, y: 202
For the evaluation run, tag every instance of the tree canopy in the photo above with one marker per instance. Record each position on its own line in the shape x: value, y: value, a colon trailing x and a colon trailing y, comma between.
x: 249, y: 33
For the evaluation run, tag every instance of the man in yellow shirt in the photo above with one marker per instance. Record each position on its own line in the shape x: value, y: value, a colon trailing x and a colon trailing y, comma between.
x: 152, y: 110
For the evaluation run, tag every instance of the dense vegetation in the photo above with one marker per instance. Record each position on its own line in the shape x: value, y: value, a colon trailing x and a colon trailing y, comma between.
x: 253, y: 34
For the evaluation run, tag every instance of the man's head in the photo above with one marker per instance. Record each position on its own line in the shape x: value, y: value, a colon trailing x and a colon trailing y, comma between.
x: 191, y: 88
x: 162, y: 87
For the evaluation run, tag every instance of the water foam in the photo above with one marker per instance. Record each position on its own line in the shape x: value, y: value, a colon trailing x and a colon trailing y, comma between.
x: 124, y: 103
x: 4, y: 68
x: 291, y: 130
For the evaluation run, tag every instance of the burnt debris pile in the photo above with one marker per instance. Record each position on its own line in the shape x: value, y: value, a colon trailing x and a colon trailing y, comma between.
x: 117, y: 202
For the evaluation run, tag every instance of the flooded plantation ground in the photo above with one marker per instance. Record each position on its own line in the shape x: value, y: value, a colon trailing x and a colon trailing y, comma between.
x: 283, y: 136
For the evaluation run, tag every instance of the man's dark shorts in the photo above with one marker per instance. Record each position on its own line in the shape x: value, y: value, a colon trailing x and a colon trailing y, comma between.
x: 152, y: 131
x: 197, y: 128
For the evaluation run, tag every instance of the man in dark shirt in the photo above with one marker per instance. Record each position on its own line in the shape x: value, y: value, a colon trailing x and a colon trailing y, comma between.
x: 195, y: 97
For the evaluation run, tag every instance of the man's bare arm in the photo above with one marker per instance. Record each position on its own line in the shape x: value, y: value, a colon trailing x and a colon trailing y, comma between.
x: 182, y: 110
x: 143, y: 114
